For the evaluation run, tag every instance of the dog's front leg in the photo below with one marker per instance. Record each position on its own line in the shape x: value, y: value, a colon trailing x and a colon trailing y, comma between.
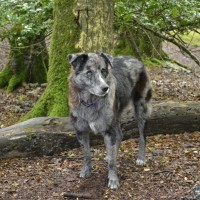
x: 83, y: 138
x: 112, y: 143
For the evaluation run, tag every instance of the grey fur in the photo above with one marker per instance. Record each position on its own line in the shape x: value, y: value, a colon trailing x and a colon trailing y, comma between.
x: 101, y: 86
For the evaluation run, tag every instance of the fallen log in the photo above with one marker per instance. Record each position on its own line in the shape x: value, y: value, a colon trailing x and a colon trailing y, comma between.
x: 49, y: 135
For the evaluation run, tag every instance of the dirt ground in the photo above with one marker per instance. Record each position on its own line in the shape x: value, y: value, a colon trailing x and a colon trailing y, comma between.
x: 173, y: 161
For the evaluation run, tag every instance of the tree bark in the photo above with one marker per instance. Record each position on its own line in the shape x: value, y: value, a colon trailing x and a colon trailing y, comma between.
x: 27, y: 64
x: 47, y: 135
x: 96, y: 20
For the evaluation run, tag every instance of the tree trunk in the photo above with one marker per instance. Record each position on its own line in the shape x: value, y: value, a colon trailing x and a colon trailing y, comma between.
x: 27, y: 64
x: 46, y: 135
x: 78, y: 26
x: 96, y: 20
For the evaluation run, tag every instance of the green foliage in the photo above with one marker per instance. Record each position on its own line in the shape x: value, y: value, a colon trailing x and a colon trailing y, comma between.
x: 21, y: 20
x: 169, y: 15
x: 170, y: 20
x: 24, y: 24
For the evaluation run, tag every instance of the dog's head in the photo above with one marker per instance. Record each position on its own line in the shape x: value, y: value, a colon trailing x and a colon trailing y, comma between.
x: 91, y: 72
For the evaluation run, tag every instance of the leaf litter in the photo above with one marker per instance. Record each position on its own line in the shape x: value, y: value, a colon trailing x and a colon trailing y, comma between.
x: 172, y: 170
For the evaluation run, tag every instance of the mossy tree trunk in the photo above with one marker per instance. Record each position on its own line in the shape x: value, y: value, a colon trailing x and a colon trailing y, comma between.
x: 78, y: 26
x: 27, y: 64
x: 65, y: 34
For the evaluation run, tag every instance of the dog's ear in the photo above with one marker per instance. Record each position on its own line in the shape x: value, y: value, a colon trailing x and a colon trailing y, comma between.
x: 107, y: 58
x: 77, y: 60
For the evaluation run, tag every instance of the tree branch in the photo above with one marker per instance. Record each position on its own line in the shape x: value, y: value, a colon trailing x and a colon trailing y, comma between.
x: 77, y: 195
x: 172, y: 40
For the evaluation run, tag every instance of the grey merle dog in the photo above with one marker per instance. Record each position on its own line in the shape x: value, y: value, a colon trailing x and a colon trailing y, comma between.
x: 100, y: 87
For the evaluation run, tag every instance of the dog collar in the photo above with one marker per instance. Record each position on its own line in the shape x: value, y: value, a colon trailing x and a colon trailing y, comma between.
x: 88, y: 104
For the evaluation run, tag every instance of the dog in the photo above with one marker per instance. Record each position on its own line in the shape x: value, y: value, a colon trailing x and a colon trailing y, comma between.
x: 100, y: 87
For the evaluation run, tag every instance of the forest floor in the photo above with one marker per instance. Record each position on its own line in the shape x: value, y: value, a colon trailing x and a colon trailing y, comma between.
x: 173, y: 161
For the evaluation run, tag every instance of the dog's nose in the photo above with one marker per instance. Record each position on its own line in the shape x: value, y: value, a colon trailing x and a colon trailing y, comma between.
x: 105, y: 89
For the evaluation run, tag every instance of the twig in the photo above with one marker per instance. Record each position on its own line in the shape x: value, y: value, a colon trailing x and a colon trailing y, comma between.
x: 163, y: 171
x: 76, y: 195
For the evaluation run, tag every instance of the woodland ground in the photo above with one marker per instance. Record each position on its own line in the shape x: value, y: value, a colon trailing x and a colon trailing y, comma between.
x: 173, y: 161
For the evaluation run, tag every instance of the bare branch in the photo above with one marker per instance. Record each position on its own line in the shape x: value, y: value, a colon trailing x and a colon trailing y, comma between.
x: 77, y: 195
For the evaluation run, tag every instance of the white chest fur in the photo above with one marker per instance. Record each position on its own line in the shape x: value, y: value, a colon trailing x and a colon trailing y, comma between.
x: 93, y: 127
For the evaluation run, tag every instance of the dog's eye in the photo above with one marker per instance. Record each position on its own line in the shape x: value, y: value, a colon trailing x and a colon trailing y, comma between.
x: 89, y: 73
x: 104, y: 72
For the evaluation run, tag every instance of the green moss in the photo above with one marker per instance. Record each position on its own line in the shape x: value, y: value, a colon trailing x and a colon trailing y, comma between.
x: 5, y: 76
x: 154, y: 62
x: 10, y: 79
x: 65, y: 35
x: 16, y: 80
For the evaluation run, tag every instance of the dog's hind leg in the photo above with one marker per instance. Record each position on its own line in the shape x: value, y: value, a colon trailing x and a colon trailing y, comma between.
x: 83, y: 138
x: 112, y: 142
x: 142, y: 110
x: 142, y: 139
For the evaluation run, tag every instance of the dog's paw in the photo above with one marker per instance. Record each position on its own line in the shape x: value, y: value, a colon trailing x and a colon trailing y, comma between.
x: 85, y: 172
x: 140, y: 162
x: 113, y: 183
